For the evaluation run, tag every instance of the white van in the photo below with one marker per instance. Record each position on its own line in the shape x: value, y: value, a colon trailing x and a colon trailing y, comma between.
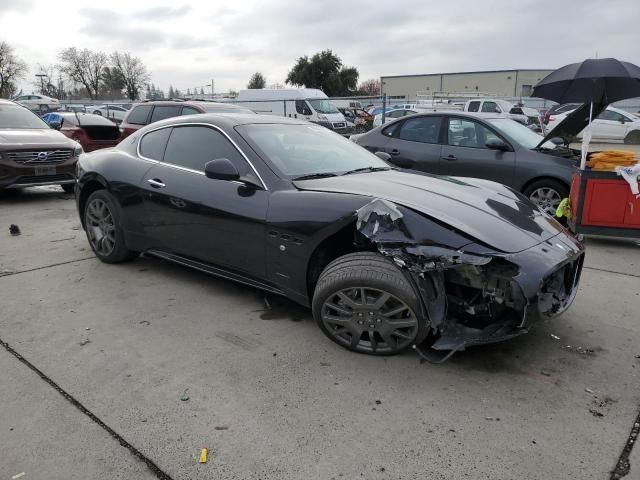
x: 304, y: 103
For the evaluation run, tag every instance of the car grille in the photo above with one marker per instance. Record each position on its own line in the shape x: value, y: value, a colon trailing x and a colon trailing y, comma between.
x: 339, y: 125
x: 39, y: 157
x: 28, y: 179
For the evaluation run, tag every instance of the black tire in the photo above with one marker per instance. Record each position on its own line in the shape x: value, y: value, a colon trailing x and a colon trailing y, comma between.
x: 107, y: 242
x: 97, y: 112
x: 370, y: 273
x: 68, y: 187
x: 561, y: 191
x: 632, y: 138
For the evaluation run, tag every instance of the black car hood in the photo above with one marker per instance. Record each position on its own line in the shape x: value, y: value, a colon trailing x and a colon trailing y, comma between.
x: 486, y: 211
x: 574, y: 123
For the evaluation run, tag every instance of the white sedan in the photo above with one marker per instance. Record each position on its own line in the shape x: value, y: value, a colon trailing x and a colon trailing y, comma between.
x: 38, y: 103
x: 612, y: 125
x: 391, y: 115
x: 112, y: 112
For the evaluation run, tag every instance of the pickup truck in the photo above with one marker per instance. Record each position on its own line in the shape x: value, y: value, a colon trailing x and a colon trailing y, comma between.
x: 526, y: 116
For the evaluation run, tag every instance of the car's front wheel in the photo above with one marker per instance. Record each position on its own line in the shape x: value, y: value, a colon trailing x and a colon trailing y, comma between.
x: 363, y: 302
x: 97, y: 112
x: 103, y: 226
x: 547, y: 194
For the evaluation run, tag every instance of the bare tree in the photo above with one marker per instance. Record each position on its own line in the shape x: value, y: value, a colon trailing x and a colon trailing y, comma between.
x: 51, y: 84
x: 11, y: 69
x: 84, y: 67
x: 370, y: 87
x: 132, y: 71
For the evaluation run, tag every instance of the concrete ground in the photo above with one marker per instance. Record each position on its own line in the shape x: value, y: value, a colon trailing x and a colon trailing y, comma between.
x: 269, y: 395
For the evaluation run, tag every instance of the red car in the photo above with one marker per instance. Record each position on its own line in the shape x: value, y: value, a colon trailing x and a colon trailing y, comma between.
x: 91, y: 131
x: 142, y: 114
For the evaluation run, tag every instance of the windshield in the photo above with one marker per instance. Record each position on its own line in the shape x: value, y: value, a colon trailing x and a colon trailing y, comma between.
x: 322, y: 105
x: 519, y: 133
x: 14, y: 116
x: 300, y: 150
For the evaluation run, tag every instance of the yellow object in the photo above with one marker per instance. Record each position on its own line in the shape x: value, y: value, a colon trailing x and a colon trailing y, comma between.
x: 564, y: 209
x: 610, y: 159
x: 17, y: 475
x: 204, y: 453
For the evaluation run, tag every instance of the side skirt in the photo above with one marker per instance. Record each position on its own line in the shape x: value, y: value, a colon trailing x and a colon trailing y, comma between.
x: 213, y: 270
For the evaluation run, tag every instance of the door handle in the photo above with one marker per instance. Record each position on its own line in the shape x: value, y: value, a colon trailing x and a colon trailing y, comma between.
x: 394, y: 152
x: 155, y: 183
x: 450, y: 158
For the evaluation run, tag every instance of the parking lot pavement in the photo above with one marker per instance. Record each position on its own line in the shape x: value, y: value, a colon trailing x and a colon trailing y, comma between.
x: 271, y: 397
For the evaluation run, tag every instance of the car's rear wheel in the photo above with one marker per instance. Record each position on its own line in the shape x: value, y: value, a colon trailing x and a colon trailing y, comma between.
x: 547, y: 194
x: 633, y: 138
x: 363, y: 302
x: 102, y: 224
x: 68, y: 187
x: 97, y: 112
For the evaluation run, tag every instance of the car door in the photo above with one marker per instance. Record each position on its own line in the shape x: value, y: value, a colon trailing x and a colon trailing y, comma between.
x: 415, y: 143
x: 215, y: 221
x: 609, y: 125
x: 465, y: 153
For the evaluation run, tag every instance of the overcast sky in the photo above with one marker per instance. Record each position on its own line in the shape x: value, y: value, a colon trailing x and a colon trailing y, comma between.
x: 186, y: 44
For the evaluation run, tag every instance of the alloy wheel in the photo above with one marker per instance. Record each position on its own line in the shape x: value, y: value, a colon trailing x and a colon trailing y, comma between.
x: 369, y: 320
x: 546, y: 198
x: 100, y: 227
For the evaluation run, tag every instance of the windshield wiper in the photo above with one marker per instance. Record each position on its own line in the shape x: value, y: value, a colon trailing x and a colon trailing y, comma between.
x: 367, y: 169
x: 311, y: 176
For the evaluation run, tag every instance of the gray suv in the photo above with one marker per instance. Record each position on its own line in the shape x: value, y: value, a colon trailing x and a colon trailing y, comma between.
x: 477, y: 145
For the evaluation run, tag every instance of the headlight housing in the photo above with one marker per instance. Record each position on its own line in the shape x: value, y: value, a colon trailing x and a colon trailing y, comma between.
x: 77, y: 150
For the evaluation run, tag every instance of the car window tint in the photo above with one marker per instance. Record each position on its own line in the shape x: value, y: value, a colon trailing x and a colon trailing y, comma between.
x: 139, y: 115
x: 467, y: 133
x: 302, y: 108
x: 192, y: 147
x: 153, y: 143
x: 491, y: 107
x: 160, y: 112
x: 189, y: 111
x: 610, y: 115
x: 421, y: 129
x: 474, y: 106
x: 389, y: 131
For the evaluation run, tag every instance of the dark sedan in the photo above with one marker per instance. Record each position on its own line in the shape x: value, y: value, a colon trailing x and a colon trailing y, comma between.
x: 386, y: 259
x: 480, y: 146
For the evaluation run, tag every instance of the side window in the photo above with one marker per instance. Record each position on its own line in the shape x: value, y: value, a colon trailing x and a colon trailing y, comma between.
x: 609, y: 115
x: 139, y: 114
x: 152, y: 145
x: 192, y: 147
x: 467, y: 133
x: 189, y: 111
x: 389, y: 131
x: 302, y: 108
x: 474, y: 106
x: 165, y: 111
x: 491, y: 107
x: 421, y: 129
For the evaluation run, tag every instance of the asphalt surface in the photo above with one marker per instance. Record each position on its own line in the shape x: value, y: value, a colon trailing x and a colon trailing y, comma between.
x: 118, y: 346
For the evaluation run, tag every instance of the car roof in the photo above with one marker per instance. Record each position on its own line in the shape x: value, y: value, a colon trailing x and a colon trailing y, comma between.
x: 228, y: 120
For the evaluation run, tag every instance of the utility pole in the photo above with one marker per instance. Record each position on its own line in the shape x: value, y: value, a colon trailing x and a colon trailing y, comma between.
x: 42, y: 76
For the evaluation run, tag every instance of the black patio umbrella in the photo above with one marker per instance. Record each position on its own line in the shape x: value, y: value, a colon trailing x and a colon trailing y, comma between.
x: 603, y: 80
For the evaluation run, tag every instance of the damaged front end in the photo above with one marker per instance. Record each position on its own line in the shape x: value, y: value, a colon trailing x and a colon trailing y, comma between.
x: 472, y: 294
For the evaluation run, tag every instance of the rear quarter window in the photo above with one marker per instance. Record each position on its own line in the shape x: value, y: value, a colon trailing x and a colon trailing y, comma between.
x: 139, y: 115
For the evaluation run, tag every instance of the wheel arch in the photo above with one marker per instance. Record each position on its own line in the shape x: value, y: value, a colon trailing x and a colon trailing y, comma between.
x: 89, y: 186
x: 543, y: 177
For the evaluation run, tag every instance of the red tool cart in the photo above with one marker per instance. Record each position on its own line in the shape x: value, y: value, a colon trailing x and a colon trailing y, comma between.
x: 602, y: 204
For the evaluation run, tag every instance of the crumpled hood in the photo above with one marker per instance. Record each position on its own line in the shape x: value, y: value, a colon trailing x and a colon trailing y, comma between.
x: 43, y: 137
x: 486, y: 211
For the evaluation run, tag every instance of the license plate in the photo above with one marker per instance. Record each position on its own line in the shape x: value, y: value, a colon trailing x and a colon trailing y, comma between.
x: 45, y: 170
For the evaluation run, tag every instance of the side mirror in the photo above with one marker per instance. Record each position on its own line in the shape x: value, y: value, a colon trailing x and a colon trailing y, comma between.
x: 383, y: 156
x: 623, y: 120
x: 55, y: 125
x: 496, y: 144
x: 221, y: 169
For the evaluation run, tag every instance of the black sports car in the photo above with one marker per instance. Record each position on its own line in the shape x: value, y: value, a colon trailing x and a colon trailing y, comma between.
x: 386, y: 259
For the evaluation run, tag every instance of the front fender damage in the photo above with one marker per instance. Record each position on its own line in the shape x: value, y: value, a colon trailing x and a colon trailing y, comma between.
x: 467, y: 298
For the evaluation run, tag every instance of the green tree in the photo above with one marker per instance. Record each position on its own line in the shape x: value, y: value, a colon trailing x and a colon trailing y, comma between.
x: 325, y: 71
x: 172, y: 94
x: 257, y: 80
x: 201, y: 91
